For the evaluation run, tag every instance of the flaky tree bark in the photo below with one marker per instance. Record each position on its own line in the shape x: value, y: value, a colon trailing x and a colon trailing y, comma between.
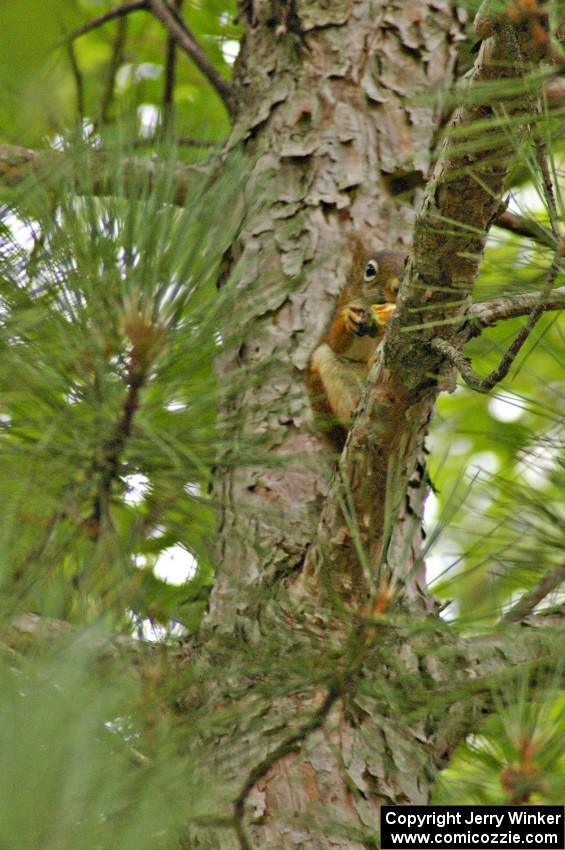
x: 327, y: 112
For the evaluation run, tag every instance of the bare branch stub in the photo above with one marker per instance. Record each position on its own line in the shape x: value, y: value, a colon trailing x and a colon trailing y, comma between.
x: 522, y: 226
x: 549, y: 582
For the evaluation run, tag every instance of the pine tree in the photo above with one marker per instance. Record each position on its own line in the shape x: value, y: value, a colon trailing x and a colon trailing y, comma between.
x: 173, y: 242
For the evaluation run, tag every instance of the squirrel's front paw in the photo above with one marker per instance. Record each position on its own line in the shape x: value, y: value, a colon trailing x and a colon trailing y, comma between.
x: 357, y: 319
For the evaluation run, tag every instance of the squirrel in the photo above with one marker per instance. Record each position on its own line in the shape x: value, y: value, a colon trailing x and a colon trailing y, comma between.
x: 340, y: 363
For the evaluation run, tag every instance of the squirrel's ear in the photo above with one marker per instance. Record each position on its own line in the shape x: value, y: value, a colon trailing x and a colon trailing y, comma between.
x: 371, y: 270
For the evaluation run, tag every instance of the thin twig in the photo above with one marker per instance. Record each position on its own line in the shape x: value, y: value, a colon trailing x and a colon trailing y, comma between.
x: 115, y: 62
x: 119, y: 12
x: 547, y: 584
x: 541, y: 156
x: 176, y: 26
x: 456, y: 357
x: 79, y: 84
x: 144, y: 338
x: 170, y: 74
x: 113, y: 453
x: 286, y: 747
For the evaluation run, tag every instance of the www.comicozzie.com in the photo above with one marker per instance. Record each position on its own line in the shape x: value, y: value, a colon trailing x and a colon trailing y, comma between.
x: 461, y: 827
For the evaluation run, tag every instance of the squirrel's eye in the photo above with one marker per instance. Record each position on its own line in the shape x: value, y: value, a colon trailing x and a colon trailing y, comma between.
x: 371, y: 270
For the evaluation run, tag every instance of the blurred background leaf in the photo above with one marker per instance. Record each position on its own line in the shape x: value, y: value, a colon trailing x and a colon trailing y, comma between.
x: 103, y: 477
x: 49, y: 83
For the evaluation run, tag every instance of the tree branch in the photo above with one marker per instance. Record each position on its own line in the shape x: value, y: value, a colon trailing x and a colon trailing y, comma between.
x: 110, y: 462
x: 547, y: 618
x: 488, y: 313
x: 182, y: 141
x: 175, y: 25
x: 95, y: 173
x: 115, y: 62
x: 522, y: 226
x: 549, y: 193
x: 119, y: 12
x: 499, y: 661
x: 145, y: 342
x: 462, y: 364
x: 170, y: 75
x: 31, y: 627
x: 79, y: 82
x: 547, y: 584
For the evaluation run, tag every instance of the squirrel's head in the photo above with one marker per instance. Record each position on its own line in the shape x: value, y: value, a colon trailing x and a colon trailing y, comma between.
x: 380, y: 275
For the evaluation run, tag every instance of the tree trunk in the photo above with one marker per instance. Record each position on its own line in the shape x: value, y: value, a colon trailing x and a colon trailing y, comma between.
x: 340, y: 148
x: 328, y: 113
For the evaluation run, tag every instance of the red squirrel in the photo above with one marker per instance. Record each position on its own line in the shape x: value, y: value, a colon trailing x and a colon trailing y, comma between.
x: 339, y: 365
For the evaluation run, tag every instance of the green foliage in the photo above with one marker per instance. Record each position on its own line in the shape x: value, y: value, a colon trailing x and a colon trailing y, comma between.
x: 111, y: 321
x: 114, y: 69
x: 506, y: 530
x: 77, y: 769
x: 496, y: 518
x: 517, y: 756
x: 497, y: 459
